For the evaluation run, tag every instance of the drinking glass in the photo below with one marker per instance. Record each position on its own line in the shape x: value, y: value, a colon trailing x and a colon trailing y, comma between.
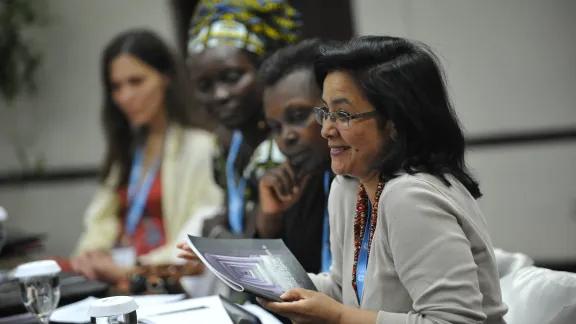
x: 114, y: 310
x: 39, y: 287
x: 3, y: 234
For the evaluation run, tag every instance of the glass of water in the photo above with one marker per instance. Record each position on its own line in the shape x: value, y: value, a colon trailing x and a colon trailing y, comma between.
x: 114, y: 310
x: 39, y: 287
x: 3, y: 234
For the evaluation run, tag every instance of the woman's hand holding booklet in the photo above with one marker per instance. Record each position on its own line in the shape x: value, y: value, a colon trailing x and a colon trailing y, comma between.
x: 261, y: 267
x: 186, y: 252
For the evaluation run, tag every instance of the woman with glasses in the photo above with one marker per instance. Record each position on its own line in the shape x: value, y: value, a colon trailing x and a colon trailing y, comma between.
x: 409, y: 243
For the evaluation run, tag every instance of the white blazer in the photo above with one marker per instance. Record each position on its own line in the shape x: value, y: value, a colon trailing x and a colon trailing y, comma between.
x: 187, y: 185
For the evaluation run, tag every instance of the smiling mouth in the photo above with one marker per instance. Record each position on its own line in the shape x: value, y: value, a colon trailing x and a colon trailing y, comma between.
x: 338, y: 150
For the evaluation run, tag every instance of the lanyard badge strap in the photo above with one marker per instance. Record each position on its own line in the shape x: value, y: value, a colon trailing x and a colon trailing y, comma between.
x: 235, y: 191
x: 326, y: 253
x: 362, y: 264
x: 138, y: 195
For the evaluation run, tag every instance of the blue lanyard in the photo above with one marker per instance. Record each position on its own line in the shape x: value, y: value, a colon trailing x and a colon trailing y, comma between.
x: 362, y: 264
x: 138, y: 195
x: 235, y: 191
x: 326, y: 254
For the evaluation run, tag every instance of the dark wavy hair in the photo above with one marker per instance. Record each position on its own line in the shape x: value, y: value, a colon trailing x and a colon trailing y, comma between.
x: 300, y: 56
x: 405, y: 83
x: 120, y: 137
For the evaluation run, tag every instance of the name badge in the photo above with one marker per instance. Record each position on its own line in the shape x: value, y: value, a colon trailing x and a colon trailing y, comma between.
x: 124, y: 256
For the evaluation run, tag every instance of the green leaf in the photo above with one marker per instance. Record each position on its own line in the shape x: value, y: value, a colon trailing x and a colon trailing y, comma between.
x: 19, y: 56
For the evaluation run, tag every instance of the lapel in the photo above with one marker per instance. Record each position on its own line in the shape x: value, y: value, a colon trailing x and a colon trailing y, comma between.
x: 170, y: 166
x: 355, y: 299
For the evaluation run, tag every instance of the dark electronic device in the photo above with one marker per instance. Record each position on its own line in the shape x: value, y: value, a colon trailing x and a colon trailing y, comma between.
x: 238, y: 314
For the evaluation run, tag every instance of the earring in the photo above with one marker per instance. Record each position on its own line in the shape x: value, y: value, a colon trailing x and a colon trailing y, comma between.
x: 261, y: 124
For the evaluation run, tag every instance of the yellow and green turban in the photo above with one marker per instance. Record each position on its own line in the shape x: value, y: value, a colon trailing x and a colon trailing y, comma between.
x: 259, y: 26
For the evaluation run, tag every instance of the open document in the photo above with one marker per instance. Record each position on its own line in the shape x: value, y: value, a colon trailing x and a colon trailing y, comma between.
x: 78, y: 312
x: 264, y: 268
x: 157, y: 309
x: 197, y: 310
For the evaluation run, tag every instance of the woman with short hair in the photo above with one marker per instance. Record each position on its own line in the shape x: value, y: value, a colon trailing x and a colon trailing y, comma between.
x: 409, y: 243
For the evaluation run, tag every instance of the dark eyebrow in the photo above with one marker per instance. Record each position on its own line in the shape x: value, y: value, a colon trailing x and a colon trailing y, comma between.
x: 339, y: 101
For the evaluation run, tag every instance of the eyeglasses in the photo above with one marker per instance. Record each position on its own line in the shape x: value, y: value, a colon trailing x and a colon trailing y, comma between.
x: 340, y: 119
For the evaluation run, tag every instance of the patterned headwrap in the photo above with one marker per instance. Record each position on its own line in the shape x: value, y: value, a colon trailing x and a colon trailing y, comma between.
x: 259, y: 26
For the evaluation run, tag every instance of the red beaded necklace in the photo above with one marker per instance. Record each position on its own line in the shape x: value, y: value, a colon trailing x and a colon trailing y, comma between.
x: 360, y: 224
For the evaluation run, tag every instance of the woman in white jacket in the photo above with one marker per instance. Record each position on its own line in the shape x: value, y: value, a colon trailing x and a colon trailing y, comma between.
x: 158, y: 169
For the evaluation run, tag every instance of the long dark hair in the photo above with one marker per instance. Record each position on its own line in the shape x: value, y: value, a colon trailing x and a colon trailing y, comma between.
x: 120, y: 138
x: 405, y: 83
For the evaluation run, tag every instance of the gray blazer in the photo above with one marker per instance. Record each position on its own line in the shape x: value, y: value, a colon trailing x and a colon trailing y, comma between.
x: 431, y: 260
